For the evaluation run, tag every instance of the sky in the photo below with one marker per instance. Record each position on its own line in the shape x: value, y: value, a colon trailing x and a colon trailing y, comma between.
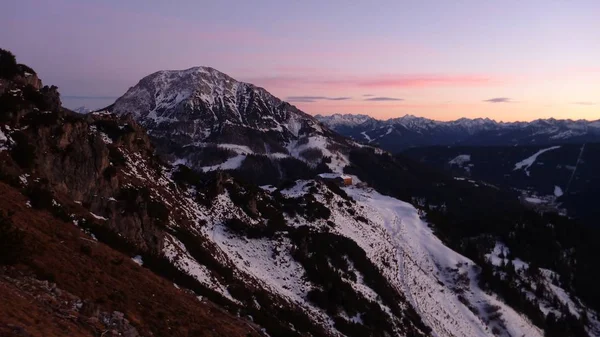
x: 507, y: 60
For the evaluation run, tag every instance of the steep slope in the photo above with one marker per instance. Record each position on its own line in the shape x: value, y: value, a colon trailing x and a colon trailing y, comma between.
x: 410, y: 131
x: 472, y: 216
x: 65, y: 282
x: 208, y: 120
x: 441, y: 284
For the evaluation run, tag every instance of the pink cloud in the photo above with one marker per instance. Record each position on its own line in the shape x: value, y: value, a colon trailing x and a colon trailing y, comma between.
x: 412, y: 81
x: 336, y: 81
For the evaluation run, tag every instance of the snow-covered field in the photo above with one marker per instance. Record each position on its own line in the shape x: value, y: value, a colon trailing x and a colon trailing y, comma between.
x: 526, y: 163
x: 460, y: 160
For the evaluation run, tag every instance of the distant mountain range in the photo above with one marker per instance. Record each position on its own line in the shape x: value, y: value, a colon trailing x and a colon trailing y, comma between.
x: 397, y: 134
x: 82, y: 109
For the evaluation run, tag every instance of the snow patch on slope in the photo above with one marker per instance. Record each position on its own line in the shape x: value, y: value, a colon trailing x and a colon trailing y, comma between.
x: 460, y: 160
x: 499, y: 256
x: 322, y: 143
x: 526, y: 163
x: 558, y: 192
x: 230, y: 164
x: 176, y: 252
x: 3, y: 140
x: 534, y: 200
x: 138, y: 259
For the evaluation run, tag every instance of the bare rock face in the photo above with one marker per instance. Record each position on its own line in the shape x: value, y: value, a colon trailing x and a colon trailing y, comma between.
x: 17, y: 74
x: 119, y: 325
x: 51, y: 97
x: 30, y: 79
x: 78, y: 158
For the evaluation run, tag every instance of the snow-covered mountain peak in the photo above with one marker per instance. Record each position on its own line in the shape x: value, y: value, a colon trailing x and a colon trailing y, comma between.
x: 202, y: 100
x: 344, y: 119
x: 208, y: 120
x: 412, y: 121
x: 182, y: 90
x: 82, y: 109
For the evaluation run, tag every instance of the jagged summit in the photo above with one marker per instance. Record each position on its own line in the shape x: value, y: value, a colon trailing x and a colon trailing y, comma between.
x: 355, y: 119
x: 344, y: 120
x: 205, y: 97
x: 397, y: 134
x: 188, y: 111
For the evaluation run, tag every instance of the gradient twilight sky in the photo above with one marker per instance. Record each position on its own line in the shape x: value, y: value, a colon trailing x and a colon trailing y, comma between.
x: 507, y: 60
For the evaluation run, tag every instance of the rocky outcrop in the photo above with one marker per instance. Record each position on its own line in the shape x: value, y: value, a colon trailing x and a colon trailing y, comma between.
x: 30, y: 79
x: 19, y: 74
x: 78, y: 158
x: 51, y: 97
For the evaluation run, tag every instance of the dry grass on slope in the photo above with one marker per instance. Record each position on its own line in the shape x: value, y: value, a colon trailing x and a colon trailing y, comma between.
x: 67, y: 284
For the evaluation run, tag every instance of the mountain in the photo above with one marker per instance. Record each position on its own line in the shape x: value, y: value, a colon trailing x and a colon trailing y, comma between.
x: 108, y: 231
x: 83, y: 110
x: 410, y: 131
x: 207, y: 120
x: 564, y: 177
x: 457, y: 221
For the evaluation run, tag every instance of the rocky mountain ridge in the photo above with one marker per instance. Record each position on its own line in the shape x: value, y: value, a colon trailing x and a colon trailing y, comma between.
x: 410, y: 131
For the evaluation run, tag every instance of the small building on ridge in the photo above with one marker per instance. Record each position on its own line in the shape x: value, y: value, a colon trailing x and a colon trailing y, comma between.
x: 339, y: 179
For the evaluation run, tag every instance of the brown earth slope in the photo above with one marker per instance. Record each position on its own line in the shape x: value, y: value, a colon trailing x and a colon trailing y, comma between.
x: 67, y: 284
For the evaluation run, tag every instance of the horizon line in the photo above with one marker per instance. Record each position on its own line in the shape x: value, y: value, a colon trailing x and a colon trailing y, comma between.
x: 454, y: 120
x: 89, y: 97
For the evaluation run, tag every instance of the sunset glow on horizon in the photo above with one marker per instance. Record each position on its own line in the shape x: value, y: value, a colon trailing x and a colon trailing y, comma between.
x: 508, y: 61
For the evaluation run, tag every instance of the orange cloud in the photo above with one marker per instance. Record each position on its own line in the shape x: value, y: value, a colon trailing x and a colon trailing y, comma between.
x: 412, y: 81
x: 332, y: 81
